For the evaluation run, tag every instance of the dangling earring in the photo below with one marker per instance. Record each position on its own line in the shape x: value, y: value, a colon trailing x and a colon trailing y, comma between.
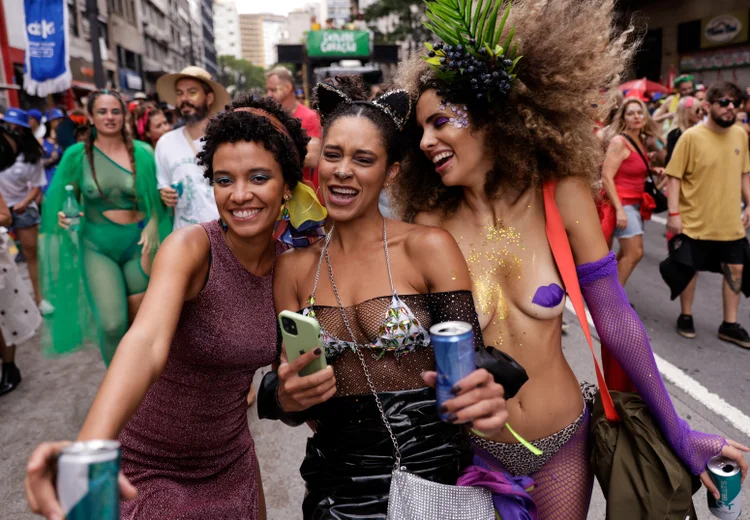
x: 93, y: 131
x: 285, y: 206
x: 223, y: 225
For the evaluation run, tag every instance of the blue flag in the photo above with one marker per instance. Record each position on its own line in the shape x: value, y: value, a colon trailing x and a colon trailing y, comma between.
x: 47, y: 66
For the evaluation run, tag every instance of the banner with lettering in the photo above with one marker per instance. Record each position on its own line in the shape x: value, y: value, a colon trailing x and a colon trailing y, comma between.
x: 47, y: 65
x: 338, y: 44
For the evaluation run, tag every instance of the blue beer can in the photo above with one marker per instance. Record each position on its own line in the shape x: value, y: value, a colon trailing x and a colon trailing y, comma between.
x: 453, y: 344
x: 87, y: 480
x: 727, y: 477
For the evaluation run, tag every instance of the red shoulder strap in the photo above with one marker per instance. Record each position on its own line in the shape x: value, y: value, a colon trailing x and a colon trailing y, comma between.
x: 558, y: 241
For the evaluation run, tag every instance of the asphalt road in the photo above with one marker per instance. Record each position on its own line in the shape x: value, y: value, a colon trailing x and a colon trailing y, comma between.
x: 712, y: 392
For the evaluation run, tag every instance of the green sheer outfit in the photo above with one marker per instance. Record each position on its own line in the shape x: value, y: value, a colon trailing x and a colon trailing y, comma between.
x: 87, y: 275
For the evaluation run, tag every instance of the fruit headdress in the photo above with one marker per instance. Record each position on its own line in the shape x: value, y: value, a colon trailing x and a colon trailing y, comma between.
x: 469, y: 61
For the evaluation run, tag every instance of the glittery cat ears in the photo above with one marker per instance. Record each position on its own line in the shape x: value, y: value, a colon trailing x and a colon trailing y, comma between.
x: 396, y: 104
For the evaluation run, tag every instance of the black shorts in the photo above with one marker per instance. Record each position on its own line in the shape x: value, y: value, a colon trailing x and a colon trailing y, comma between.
x: 709, y: 255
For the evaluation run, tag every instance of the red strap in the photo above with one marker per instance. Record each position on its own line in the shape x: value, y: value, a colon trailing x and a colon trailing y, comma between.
x: 558, y: 241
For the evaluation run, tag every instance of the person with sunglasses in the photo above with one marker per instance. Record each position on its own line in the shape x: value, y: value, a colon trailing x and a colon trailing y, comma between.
x: 707, y: 173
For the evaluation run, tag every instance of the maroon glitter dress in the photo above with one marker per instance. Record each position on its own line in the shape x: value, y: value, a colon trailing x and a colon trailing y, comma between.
x: 188, y: 448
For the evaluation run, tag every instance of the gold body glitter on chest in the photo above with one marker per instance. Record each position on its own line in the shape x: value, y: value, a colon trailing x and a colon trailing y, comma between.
x: 492, y: 261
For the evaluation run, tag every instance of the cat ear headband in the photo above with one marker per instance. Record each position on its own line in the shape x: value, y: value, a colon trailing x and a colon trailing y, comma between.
x: 396, y: 104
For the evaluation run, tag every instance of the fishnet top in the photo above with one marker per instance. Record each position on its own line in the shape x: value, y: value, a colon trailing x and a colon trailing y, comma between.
x: 389, y: 371
x: 622, y: 332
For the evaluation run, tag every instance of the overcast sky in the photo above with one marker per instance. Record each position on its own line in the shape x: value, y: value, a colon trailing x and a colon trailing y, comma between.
x: 283, y: 7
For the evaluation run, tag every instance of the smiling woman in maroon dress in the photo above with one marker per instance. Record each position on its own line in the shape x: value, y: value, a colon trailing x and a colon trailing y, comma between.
x: 176, y: 390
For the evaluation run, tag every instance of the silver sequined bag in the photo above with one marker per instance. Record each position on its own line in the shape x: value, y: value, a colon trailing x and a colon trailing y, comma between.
x: 412, y: 497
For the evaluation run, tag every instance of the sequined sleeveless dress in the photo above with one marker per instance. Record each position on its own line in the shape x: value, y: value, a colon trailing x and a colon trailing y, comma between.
x: 188, y: 448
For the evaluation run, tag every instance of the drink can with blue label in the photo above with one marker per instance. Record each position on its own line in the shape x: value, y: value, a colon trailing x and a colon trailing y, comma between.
x: 453, y: 344
x: 726, y: 476
x: 87, y: 480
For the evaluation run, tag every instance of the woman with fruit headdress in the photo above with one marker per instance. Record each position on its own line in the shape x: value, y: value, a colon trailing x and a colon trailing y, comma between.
x: 506, y: 100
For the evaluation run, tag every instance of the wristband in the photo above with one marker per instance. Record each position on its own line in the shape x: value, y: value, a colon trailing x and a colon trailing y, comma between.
x: 674, y: 214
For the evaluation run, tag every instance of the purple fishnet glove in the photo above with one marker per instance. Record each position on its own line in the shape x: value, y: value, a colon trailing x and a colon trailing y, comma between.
x: 622, y: 332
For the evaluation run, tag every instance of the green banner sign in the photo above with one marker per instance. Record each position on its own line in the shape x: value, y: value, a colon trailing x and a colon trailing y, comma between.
x: 339, y: 44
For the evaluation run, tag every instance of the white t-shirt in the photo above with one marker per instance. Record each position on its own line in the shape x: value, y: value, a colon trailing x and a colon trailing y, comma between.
x: 176, y: 163
x: 17, y: 181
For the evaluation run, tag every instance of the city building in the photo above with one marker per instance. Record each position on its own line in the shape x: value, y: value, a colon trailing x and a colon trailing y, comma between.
x: 259, y: 35
x: 300, y: 21
x: 208, y: 48
x: 706, y: 39
x: 227, y: 29
x: 127, y: 42
x: 339, y: 11
x: 164, y: 24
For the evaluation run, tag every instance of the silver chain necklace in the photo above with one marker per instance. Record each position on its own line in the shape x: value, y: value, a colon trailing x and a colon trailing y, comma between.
x: 357, y: 349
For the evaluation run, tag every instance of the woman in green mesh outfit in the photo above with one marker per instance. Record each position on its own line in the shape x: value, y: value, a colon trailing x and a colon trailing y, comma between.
x: 101, y: 270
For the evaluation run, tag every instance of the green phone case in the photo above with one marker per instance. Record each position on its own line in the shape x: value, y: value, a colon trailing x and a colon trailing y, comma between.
x: 306, y: 339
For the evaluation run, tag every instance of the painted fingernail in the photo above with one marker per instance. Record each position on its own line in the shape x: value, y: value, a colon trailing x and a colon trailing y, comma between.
x: 456, y: 390
x: 317, y: 351
x: 451, y: 418
x: 443, y: 409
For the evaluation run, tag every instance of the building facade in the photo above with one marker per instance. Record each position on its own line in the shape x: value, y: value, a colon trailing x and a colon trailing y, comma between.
x: 259, y: 34
x: 227, y: 29
x: 706, y: 39
x: 208, y: 48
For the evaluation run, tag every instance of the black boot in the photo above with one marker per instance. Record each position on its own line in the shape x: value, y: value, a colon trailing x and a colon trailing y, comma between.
x: 10, y: 379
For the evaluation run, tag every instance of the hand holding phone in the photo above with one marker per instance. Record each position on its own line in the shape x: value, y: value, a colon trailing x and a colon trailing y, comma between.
x: 305, y: 380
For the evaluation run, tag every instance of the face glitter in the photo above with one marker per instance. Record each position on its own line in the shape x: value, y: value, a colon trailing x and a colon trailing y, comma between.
x: 461, y: 119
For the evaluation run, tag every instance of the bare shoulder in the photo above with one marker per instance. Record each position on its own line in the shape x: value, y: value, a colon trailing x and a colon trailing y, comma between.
x: 190, y: 244
x: 431, y: 218
x: 297, y: 260
x: 428, y: 240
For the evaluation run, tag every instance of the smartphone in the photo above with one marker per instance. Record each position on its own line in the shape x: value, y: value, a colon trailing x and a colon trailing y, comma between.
x: 301, y: 334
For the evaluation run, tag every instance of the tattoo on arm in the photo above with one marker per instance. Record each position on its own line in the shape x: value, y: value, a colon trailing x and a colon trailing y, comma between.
x: 735, y: 284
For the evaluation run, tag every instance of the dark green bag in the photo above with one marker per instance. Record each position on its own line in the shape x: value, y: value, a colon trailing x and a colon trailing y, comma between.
x: 639, y: 474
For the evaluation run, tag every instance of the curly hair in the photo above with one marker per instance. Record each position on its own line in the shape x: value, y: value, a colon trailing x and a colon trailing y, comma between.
x: 232, y: 126
x: 354, y: 87
x: 618, y: 126
x: 573, y: 56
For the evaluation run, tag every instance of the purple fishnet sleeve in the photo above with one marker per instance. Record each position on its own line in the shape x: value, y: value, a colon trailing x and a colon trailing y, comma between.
x: 622, y: 332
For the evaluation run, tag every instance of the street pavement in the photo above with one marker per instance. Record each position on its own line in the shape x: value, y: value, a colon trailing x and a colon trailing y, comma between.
x: 711, y: 392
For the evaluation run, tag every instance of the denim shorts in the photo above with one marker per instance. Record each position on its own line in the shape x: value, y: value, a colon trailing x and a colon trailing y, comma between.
x: 635, y: 223
x: 29, y: 218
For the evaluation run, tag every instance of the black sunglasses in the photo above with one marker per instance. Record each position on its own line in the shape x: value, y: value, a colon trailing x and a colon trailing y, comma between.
x: 724, y: 103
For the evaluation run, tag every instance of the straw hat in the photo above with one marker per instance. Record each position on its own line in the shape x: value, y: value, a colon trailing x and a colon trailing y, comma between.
x: 165, y: 87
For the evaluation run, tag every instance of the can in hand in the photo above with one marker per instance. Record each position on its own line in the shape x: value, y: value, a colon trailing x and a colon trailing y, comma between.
x: 453, y: 344
x: 87, y: 480
x: 726, y: 476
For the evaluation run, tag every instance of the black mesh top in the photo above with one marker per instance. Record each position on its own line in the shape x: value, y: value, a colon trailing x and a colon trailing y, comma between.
x: 389, y: 372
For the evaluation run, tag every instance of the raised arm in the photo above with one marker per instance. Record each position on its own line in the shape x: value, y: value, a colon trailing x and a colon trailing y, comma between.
x: 619, y: 327
x: 178, y: 274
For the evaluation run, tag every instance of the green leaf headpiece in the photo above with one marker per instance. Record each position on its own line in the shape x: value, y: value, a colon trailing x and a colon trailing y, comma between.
x: 469, y: 60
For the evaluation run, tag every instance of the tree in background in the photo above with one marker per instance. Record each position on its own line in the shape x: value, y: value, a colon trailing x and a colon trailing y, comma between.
x: 239, y: 75
x: 404, y: 22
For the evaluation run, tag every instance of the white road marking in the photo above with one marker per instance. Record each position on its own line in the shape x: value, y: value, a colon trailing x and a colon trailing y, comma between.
x: 659, y: 220
x: 690, y: 386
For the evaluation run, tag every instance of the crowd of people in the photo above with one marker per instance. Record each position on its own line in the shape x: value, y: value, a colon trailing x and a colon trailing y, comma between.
x: 192, y: 239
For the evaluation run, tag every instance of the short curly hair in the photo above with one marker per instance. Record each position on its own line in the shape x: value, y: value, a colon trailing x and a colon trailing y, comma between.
x: 573, y: 59
x: 232, y: 126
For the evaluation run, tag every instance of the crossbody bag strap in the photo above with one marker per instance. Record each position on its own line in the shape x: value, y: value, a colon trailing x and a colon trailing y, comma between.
x: 643, y: 157
x: 558, y: 241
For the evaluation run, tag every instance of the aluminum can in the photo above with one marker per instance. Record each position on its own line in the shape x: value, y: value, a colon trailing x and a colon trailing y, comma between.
x: 87, y: 480
x: 453, y: 344
x: 178, y: 187
x: 726, y: 475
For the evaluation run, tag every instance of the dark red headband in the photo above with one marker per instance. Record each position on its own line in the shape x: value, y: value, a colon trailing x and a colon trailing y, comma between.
x: 278, y: 125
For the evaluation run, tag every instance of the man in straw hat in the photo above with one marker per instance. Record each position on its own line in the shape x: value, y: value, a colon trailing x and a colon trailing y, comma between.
x: 180, y: 180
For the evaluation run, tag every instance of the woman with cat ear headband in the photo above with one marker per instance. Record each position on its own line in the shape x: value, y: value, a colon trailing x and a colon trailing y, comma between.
x: 375, y: 288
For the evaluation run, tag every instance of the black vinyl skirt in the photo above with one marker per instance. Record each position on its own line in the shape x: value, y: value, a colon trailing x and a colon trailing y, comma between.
x: 349, y: 460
